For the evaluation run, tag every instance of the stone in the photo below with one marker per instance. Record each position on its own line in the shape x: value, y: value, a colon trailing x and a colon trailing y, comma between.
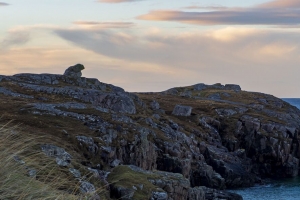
x: 232, y: 87
x: 8, y: 92
x: 19, y: 160
x: 214, y: 96
x: 62, y: 157
x: 213, y: 194
x: 199, y: 86
x: 74, y: 71
x: 87, y: 187
x: 204, y: 175
x: 122, y: 118
x: 225, y: 112
x: 31, y: 172
x: 181, y: 110
x: 159, y: 196
x: 91, y: 146
x: 154, y: 105
x: 76, y: 173
x: 115, y: 163
x: 196, y: 193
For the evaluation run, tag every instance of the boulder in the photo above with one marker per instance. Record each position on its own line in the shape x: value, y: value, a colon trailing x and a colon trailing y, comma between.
x: 213, y: 194
x: 181, y: 110
x: 62, y: 157
x: 74, y: 71
x: 154, y: 105
x: 200, y: 86
x: 232, y: 87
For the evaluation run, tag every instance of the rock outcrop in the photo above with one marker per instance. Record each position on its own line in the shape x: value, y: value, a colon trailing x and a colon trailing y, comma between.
x: 181, y: 110
x: 184, y: 143
x: 74, y: 71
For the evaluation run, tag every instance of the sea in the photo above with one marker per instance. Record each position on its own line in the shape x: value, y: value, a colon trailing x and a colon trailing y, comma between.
x: 287, y: 189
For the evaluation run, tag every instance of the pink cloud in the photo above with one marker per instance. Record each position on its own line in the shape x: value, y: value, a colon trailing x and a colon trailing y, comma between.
x: 104, y: 25
x: 294, y: 4
x: 272, y: 13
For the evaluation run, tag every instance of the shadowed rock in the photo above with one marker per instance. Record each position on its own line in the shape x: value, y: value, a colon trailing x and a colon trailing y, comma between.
x: 180, y: 110
x: 74, y: 71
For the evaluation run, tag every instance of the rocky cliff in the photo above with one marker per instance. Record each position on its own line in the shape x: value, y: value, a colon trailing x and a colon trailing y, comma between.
x: 184, y: 143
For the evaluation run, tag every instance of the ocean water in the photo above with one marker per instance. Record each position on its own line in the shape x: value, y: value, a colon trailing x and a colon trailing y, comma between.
x: 293, y: 101
x: 287, y: 189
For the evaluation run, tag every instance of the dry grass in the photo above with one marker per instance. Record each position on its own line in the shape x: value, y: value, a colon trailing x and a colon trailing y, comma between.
x: 14, y: 178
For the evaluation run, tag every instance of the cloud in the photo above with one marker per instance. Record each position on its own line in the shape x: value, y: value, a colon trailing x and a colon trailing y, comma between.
x: 279, y: 12
x: 3, y: 4
x: 104, y: 25
x: 224, y: 55
x: 281, y: 4
x: 214, y: 7
x: 14, y: 38
x: 118, y: 1
x: 265, y: 60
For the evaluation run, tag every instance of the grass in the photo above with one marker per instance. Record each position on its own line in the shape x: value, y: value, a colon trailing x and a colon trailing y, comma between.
x: 125, y: 177
x: 50, y: 182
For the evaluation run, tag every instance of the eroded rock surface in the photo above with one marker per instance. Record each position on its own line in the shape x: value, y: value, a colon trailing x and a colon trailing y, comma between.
x: 184, y: 143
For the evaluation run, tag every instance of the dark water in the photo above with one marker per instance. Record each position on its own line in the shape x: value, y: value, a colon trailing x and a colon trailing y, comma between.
x: 294, y: 102
x: 287, y: 189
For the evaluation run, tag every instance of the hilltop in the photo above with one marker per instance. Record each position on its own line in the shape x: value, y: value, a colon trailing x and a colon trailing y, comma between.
x: 184, y: 143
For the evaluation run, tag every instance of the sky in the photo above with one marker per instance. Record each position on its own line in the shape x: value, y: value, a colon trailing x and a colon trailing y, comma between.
x: 153, y: 45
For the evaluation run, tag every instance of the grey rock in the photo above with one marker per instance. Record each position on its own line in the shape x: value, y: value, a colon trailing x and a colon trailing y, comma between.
x: 159, y: 196
x: 8, y: 92
x: 187, y: 94
x: 154, y: 105
x: 196, y: 193
x: 232, y: 87
x: 87, y: 187
x: 175, y: 186
x: 256, y: 106
x: 115, y: 163
x: 91, y: 146
x: 105, y: 110
x: 86, y: 140
x: 218, y: 86
x: 181, y: 110
x: 204, y: 175
x: 117, y: 102
x: 76, y: 173
x: 62, y: 157
x: 225, y: 112
x: 122, y: 118
x: 225, y: 94
x: 19, y: 160
x: 31, y: 172
x: 95, y: 172
x: 156, y: 116
x: 214, y: 96
x: 150, y: 122
x: 72, y: 105
x: 232, y: 168
x: 74, y: 71
x: 213, y: 194
x: 199, y: 86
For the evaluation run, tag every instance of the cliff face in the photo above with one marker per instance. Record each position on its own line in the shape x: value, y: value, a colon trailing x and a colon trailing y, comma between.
x: 183, y: 143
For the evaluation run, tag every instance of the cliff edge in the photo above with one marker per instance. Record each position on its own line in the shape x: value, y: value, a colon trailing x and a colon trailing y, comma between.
x: 184, y: 143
